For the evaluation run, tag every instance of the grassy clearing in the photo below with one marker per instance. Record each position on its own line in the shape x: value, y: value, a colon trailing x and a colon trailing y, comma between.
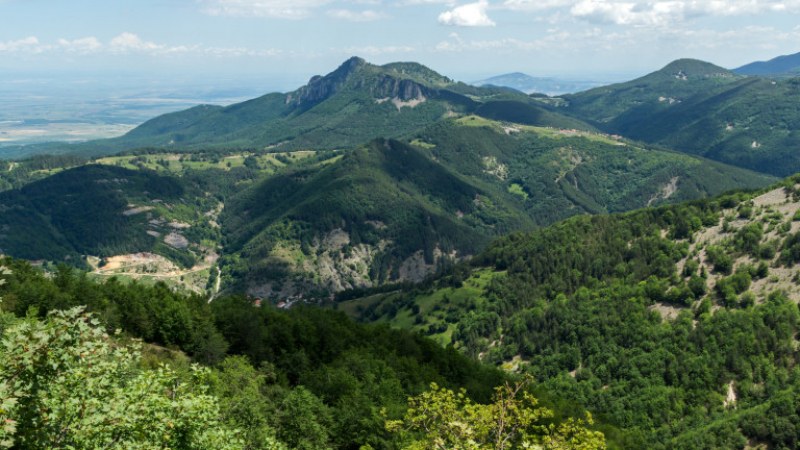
x: 548, y: 132
x: 185, y: 282
x: 437, y: 310
x: 517, y: 190
x: 422, y: 144
x: 178, y: 163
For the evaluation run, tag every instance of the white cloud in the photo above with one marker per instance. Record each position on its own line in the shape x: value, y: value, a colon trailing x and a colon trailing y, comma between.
x: 654, y: 13
x: 29, y: 44
x: 554, y: 39
x: 82, y: 45
x: 469, y: 15
x: 124, y: 43
x: 628, y: 13
x: 129, y: 42
x: 535, y: 5
x: 356, y: 16
x: 427, y: 2
x: 281, y: 9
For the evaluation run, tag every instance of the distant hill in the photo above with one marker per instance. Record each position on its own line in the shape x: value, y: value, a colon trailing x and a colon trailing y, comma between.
x: 529, y: 84
x: 355, y: 103
x: 654, y: 92
x: 700, y: 108
x: 101, y: 211
x: 385, y: 211
x: 563, y: 172
x: 781, y: 66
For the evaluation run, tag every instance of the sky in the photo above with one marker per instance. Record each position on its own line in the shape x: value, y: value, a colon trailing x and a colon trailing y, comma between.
x: 287, y: 41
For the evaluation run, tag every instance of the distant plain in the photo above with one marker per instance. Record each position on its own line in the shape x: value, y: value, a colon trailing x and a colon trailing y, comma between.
x: 36, y: 108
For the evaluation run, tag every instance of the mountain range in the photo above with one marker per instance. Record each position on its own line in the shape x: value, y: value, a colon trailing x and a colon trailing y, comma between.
x: 629, y: 247
x: 353, y: 104
x: 378, y: 174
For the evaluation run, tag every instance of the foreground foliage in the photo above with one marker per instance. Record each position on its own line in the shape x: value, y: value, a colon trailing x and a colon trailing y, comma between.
x: 65, y: 384
x: 307, y: 378
x: 443, y: 419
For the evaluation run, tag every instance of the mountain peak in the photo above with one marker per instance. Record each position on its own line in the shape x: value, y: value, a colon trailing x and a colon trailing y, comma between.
x: 417, y: 72
x: 346, y: 69
x: 403, y: 80
x: 687, y: 68
x: 353, y: 63
x: 321, y: 87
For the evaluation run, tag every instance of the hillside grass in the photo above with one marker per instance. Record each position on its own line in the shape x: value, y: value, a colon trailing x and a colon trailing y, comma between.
x: 181, y: 162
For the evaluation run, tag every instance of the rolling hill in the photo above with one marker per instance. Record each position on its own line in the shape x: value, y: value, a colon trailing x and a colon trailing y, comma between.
x: 385, y: 211
x: 702, y: 109
x: 314, y: 223
x: 102, y: 211
x: 557, y: 173
x: 781, y: 66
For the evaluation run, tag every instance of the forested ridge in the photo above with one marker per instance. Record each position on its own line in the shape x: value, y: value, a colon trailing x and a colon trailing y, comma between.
x: 699, y: 108
x: 677, y: 324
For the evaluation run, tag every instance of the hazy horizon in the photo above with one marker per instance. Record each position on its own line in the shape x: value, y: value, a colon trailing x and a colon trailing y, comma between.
x: 120, y: 63
x: 462, y: 39
x: 39, y: 106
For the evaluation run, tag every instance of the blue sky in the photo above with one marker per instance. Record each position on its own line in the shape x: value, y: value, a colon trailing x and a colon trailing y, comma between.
x: 293, y: 39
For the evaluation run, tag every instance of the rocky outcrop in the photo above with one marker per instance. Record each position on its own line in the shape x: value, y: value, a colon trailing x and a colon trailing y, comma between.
x: 354, y: 73
x: 320, y: 88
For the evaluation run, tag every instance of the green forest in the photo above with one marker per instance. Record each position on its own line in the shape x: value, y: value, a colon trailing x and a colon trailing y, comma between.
x: 678, y: 325
x: 88, y: 365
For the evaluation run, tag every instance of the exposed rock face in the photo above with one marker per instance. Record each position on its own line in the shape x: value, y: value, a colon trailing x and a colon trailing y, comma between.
x: 415, y: 268
x: 320, y: 88
x: 335, y: 265
x: 404, y: 90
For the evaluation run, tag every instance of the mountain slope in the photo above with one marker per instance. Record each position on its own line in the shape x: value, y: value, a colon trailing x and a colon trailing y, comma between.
x: 101, y: 211
x: 383, y: 212
x: 674, y: 83
x: 678, y: 324
x: 702, y: 109
x: 557, y: 173
x: 352, y: 105
x: 785, y: 65
x: 393, y: 212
